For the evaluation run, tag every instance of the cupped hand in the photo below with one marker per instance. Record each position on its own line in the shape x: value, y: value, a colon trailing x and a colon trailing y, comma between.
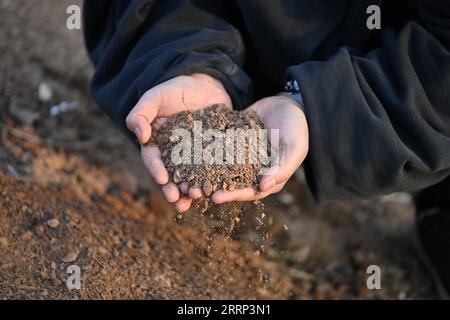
x: 190, y: 92
x: 282, y: 113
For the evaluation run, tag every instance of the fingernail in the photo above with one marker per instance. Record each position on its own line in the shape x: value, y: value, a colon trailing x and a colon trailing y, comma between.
x: 214, y: 200
x: 268, y: 185
x: 139, y: 133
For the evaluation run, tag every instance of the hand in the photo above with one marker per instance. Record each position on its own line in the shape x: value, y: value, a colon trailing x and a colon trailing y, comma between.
x: 283, y: 113
x: 191, y: 92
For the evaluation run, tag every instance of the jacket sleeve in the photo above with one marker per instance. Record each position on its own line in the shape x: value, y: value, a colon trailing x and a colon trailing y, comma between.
x: 380, y: 122
x: 138, y: 44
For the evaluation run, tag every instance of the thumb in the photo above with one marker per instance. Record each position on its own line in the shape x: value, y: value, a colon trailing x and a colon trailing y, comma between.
x: 143, y: 114
x: 284, y: 162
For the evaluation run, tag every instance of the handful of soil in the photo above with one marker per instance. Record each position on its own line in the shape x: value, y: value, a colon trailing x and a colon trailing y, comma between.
x: 241, y: 172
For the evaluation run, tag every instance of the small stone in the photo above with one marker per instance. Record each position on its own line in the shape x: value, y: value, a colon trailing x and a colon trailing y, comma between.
x: 53, y: 223
x: 130, y: 244
x: 4, y: 242
x: 40, y: 229
x: 116, y: 240
x: 285, y: 227
x: 45, y: 93
x: 53, y: 265
x: 27, y: 236
x: 70, y: 257
x: 103, y: 251
x: 176, y: 177
x: 207, y: 188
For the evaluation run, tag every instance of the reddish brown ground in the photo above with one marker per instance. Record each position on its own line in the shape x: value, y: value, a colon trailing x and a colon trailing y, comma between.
x: 77, y: 169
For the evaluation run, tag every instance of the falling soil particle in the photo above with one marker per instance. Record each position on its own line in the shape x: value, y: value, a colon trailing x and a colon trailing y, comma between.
x: 230, y: 165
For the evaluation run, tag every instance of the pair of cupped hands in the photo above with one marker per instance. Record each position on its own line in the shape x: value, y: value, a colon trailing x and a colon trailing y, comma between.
x: 197, y: 91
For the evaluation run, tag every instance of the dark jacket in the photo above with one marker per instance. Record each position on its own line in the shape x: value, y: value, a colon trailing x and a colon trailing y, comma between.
x: 377, y: 101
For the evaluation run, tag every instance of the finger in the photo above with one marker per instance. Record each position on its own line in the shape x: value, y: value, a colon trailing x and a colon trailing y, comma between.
x: 247, y: 194
x: 291, y: 156
x: 183, y: 204
x: 171, y: 192
x: 196, y: 193
x: 151, y: 156
x: 184, y: 188
x: 143, y: 114
x: 221, y: 196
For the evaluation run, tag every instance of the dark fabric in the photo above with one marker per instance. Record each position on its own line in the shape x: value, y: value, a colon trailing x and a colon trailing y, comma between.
x: 436, y: 196
x: 433, y: 227
x: 377, y: 101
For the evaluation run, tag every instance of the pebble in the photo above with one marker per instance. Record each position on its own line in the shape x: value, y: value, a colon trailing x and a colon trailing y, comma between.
x: 45, y: 93
x: 70, y: 257
x: 116, y: 240
x: 207, y: 188
x: 53, y: 223
x: 176, y: 177
x: 103, y: 251
x: 4, y: 242
x: 40, y: 230
x: 130, y: 244
x: 27, y: 236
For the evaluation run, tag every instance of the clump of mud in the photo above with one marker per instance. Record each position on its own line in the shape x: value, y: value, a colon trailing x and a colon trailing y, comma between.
x: 226, y: 159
